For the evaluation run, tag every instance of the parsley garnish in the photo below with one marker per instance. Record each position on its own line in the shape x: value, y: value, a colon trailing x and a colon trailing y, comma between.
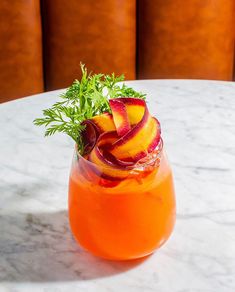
x: 83, y: 100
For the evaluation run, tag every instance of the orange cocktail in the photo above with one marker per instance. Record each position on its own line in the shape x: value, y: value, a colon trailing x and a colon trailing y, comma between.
x: 121, y: 194
x: 122, y: 219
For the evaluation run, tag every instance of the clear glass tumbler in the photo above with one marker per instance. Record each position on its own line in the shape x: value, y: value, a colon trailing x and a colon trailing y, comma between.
x: 122, y: 219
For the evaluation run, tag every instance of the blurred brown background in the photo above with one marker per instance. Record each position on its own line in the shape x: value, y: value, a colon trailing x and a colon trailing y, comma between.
x: 43, y: 42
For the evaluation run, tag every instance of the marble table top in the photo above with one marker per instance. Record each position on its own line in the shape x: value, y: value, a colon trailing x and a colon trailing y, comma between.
x: 37, y: 251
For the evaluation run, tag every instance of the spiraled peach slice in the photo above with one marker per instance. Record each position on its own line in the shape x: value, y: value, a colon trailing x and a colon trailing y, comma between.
x: 139, y: 141
x: 105, y: 163
x: 135, y: 108
x: 120, y: 116
x: 117, y: 142
x: 104, y: 122
x: 94, y: 127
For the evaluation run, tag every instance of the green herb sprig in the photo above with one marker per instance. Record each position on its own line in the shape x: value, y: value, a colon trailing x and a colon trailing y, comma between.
x: 83, y: 100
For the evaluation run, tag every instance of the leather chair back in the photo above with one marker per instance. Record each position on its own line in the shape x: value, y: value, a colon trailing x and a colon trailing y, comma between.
x: 101, y: 34
x: 186, y: 39
x: 43, y: 42
x: 21, y: 67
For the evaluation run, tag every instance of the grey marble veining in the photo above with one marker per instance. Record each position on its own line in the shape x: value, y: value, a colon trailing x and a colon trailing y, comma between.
x: 37, y: 251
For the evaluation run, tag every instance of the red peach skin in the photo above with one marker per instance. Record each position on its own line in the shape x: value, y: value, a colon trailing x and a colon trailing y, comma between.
x: 120, y: 116
x: 140, y: 140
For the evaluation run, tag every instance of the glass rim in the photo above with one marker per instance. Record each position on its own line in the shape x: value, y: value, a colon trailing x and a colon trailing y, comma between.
x: 152, y: 157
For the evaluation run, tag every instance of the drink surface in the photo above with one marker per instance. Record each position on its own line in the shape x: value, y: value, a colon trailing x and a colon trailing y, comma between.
x: 122, y: 220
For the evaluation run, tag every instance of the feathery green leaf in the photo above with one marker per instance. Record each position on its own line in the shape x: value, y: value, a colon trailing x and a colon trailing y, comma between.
x: 83, y: 100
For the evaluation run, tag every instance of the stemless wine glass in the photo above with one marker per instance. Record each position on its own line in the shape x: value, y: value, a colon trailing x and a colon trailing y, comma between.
x: 122, y: 219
